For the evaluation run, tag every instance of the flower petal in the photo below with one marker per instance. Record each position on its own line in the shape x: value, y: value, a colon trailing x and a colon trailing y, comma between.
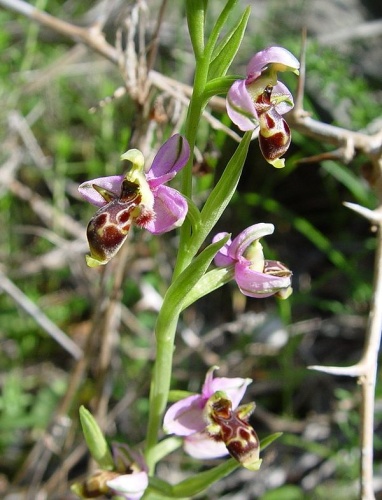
x: 248, y: 236
x: 185, y: 416
x: 282, y: 98
x: 171, y: 157
x: 130, y: 486
x: 222, y: 258
x: 201, y: 446
x: 258, y: 285
x: 112, y: 183
x: 280, y: 58
x: 240, y: 106
x: 170, y: 209
x: 234, y: 388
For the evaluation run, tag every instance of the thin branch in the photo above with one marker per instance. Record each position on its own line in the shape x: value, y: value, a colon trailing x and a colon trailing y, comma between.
x: 18, y: 123
x: 93, y: 38
x: 331, y: 134
x: 41, y: 319
x: 46, y: 212
x: 301, y: 81
x: 349, y: 144
x: 368, y: 380
x: 374, y: 216
x: 154, y: 43
x: 342, y: 371
x: 368, y: 29
x: 366, y: 368
x: 298, y: 118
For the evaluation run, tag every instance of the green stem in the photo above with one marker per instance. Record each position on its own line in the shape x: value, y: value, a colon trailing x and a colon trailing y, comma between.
x: 167, y: 323
x: 165, y: 334
x: 195, y: 110
x: 160, y: 382
x: 169, y: 315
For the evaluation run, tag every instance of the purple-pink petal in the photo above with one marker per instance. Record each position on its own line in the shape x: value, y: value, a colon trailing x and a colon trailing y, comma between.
x: 207, y: 388
x: 233, y: 387
x: 240, y: 106
x: 185, y: 417
x: 248, y: 236
x: 170, y: 209
x: 268, y: 56
x: 112, y: 183
x: 201, y: 446
x: 171, y: 157
x: 256, y: 284
x: 222, y: 258
x: 285, y: 105
x: 130, y: 486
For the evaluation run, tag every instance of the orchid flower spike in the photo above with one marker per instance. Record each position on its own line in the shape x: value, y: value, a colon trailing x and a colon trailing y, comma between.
x: 255, y: 276
x: 193, y: 417
x: 138, y: 197
x: 260, y: 99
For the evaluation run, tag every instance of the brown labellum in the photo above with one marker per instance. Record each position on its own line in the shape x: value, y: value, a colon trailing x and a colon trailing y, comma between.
x: 109, y: 227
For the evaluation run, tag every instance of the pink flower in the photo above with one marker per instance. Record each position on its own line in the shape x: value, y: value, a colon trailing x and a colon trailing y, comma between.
x: 255, y: 276
x: 129, y: 486
x: 260, y: 100
x: 127, y: 476
x: 187, y: 417
x: 136, y: 197
x: 132, y: 484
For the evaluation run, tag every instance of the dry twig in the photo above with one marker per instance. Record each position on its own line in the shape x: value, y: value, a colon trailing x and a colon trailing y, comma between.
x: 348, y: 143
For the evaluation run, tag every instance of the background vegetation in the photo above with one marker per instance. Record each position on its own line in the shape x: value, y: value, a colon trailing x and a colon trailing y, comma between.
x: 51, y: 143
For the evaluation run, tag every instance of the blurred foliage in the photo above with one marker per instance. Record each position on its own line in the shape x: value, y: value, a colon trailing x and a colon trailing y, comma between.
x: 329, y: 249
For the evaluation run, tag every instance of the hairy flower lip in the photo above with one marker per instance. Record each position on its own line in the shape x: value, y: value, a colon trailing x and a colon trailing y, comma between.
x: 258, y: 285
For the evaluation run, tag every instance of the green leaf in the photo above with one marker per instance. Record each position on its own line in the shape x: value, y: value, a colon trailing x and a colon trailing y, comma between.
x: 165, y: 447
x: 208, y: 283
x: 193, y: 214
x: 195, y: 11
x: 218, y: 27
x: 158, y: 490
x: 269, y: 439
x: 95, y: 440
x: 223, y: 191
x: 199, y: 482
x: 220, y: 85
x: 227, y: 48
x: 286, y: 492
x: 178, y: 290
